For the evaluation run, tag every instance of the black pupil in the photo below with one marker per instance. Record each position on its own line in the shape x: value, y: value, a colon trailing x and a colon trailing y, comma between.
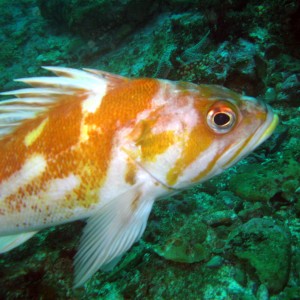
x: 221, y: 119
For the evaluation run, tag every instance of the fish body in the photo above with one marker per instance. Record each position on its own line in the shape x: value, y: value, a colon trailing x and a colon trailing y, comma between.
x: 100, y: 147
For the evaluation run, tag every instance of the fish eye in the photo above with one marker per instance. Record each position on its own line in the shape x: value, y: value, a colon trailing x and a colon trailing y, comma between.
x: 221, y: 119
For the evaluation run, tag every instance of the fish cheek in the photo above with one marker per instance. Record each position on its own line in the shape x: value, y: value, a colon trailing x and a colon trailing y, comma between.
x: 151, y: 144
x: 198, y: 141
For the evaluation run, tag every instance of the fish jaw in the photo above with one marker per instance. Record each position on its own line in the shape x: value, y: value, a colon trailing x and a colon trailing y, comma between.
x: 270, y: 125
x: 267, y: 123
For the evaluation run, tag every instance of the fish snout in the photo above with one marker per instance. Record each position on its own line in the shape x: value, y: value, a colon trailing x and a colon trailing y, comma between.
x: 267, y: 120
x: 268, y: 126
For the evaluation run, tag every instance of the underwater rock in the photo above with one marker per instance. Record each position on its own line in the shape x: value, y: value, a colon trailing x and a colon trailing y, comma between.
x: 290, y: 89
x: 257, y: 182
x: 186, y: 245
x: 215, y: 262
x: 254, y: 210
x: 90, y: 18
x: 253, y: 183
x: 219, y: 218
x: 270, y: 95
x: 265, y: 246
x: 181, y: 251
x: 234, y: 65
x: 262, y: 293
x: 189, y: 229
x: 229, y: 199
x: 8, y: 53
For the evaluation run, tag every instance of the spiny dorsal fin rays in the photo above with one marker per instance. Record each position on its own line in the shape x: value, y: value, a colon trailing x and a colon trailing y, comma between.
x: 35, y: 93
x: 92, y: 75
x: 17, y: 107
x: 70, y: 72
x: 70, y: 85
x: 63, y: 83
x: 68, y: 81
x: 10, y: 119
x: 6, y: 130
x: 112, y: 79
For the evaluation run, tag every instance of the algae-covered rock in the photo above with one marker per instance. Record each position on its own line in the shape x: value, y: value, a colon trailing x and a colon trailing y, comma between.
x: 91, y: 17
x: 259, y: 182
x: 186, y: 245
x: 181, y: 250
x: 189, y: 229
x: 265, y: 246
x: 218, y: 218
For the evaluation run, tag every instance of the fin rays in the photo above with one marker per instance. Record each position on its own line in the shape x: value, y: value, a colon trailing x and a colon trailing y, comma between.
x: 10, y: 242
x: 71, y: 84
x: 110, y: 233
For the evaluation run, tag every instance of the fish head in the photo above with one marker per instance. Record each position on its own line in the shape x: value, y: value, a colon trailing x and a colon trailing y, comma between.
x: 236, y: 124
x: 200, y: 131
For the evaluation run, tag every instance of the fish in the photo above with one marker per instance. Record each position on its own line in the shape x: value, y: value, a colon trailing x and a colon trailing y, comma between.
x: 90, y: 145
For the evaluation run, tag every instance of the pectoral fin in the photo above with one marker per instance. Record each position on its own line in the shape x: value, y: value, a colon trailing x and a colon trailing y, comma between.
x: 111, y: 232
x: 10, y: 242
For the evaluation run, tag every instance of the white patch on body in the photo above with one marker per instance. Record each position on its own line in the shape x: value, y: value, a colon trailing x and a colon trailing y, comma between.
x: 178, y: 111
x: 115, y: 183
x: 160, y: 98
x: 163, y: 162
x: 90, y: 105
x: 45, y: 208
x: 182, y: 118
x: 200, y: 165
x: 60, y: 187
x: 32, y: 168
x: 95, y: 96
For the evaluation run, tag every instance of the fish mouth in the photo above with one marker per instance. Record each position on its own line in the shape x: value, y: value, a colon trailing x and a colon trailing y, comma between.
x: 243, y: 148
x: 266, y: 131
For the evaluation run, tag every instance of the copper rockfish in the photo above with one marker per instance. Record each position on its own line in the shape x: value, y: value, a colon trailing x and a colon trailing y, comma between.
x: 91, y: 145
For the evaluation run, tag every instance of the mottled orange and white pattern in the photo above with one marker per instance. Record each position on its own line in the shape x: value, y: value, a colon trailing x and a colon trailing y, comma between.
x: 97, y: 146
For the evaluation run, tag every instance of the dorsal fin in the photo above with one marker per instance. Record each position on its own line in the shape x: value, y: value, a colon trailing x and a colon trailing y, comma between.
x: 46, y: 92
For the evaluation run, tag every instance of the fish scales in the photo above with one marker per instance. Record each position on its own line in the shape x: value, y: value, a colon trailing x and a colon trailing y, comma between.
x: 92, y: 145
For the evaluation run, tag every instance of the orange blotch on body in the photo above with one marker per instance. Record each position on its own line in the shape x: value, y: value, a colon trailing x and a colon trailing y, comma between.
x: 198, y: 142
x: 130, y: 175
x: 153, y: 145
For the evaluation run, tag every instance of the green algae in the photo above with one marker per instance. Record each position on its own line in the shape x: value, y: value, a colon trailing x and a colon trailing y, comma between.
x: 266, y: 246
x: 253, y: 181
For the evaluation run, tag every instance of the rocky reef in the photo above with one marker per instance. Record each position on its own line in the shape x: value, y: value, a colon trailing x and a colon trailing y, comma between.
x: 234, y: 237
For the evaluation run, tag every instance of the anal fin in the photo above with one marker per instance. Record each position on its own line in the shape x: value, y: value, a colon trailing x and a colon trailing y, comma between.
x: 10, y: 242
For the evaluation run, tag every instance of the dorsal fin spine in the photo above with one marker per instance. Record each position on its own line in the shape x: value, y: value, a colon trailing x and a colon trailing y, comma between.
x: 71, y: 84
